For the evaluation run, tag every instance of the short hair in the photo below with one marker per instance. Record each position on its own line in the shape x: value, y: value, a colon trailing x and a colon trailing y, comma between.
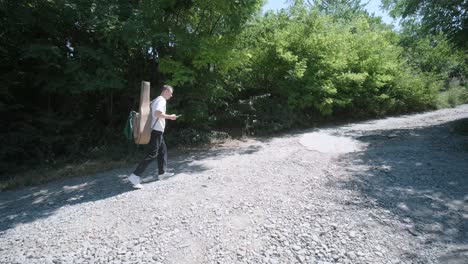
x: 167, y: 87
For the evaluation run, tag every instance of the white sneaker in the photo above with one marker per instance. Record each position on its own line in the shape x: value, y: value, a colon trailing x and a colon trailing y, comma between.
x: 138, y: 186
x: 166, y: 175
x: 135, y: 180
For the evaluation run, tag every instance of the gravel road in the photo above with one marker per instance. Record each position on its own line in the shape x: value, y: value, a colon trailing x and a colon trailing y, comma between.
x: 393, y: 190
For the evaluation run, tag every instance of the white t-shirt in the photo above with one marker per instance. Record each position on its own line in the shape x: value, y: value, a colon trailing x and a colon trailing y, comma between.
x: 158, y: 105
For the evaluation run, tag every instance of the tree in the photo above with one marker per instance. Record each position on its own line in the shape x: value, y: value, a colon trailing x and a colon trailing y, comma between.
x: 342, y: 9
x: 316, y: 65
x: 448, y: 17
x: 71, y: 68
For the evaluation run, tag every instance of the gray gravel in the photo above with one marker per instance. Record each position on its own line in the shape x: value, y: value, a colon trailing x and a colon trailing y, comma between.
x: 393, y: 190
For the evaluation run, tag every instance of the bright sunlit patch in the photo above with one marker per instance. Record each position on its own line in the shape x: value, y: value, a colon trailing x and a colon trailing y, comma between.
x: 330, y: 144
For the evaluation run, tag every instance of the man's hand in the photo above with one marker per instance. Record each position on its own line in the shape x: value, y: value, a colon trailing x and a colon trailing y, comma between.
x: 172, y: 117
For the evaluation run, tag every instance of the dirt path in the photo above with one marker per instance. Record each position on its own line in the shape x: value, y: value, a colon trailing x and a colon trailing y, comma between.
x: 393, y: 190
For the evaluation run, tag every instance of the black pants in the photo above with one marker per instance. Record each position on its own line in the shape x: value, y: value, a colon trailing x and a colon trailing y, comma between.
x: 158, y: 150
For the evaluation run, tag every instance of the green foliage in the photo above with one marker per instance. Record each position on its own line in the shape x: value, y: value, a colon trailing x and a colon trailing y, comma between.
x: 453, y: 96
x: 434, y: 36
x: 434, y: 17
x: 79, y: 63
x: 340, y: 9
x: 318, y: 64
x: 434, y: 54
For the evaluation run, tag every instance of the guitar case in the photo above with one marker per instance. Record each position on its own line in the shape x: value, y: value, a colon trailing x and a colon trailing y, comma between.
x: 142, y: 118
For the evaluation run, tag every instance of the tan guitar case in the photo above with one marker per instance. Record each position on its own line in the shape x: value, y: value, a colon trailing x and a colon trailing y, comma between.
x: 142, y: 119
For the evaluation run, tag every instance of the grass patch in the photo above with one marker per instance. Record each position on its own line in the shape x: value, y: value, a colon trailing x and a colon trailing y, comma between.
x: 455, y: 95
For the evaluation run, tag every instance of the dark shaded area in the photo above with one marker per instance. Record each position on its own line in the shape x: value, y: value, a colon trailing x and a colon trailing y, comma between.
x: 419, y: 175
x: 455, y: 257
x: 31, y: 204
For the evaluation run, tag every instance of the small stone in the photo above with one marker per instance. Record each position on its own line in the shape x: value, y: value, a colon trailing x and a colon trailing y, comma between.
x: 296, y: 247
x: 273, y: 261
x: 300, y: 258
x: 351, y: 255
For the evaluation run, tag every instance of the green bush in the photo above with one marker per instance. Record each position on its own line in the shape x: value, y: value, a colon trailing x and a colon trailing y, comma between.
x: 453, y: 96
x: 314, y: 64
x: 269, y: 115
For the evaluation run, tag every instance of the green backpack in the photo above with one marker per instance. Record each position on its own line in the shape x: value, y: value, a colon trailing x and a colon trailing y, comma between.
x: 138, y: 125
x: 128, y: 129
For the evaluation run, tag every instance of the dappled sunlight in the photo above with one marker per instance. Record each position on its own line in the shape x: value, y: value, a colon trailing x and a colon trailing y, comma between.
x: 30, y: 204
x: 33, y: 203
x: 418, y: 175
x: 75, y: 187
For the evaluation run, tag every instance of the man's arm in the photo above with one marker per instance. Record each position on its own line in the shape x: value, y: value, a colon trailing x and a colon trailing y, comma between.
x: 159, y: 114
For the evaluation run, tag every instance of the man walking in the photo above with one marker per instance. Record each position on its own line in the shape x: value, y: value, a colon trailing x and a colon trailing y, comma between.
x: 158, y: 149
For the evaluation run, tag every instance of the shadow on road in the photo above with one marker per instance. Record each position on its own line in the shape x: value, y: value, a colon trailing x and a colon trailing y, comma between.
x: 420, y: 176
x: 33, y: 203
